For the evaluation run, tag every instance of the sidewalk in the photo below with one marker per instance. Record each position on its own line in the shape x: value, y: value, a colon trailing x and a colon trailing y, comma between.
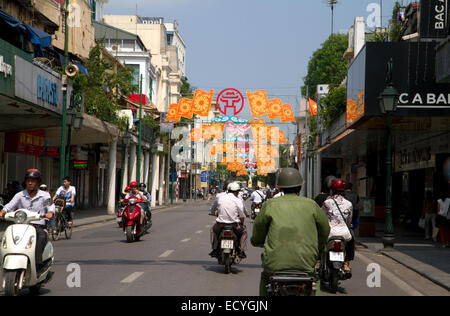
x: 411, y: 249
x: 94, y: 216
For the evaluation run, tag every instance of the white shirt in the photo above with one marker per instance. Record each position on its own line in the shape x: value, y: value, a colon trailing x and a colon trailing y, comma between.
x: 67, y: 194
x: 337, y: 224
x: 444, y: 207
x: 23, y: 200
x: 278, y: 195
x: 216, y: 202
x: 230, y: 209
x: 257, y: 197
x: 135, y: 195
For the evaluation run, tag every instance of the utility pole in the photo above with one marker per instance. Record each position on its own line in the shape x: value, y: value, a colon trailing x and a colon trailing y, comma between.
x: 62, y: 154
x: 139, y: 158
x: 332, y: 4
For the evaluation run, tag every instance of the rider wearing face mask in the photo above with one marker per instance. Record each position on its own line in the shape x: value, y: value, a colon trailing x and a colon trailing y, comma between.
x: 292, y: 229
x: 33, y: 200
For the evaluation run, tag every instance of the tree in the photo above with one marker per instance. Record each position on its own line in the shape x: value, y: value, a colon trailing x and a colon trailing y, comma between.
x: 186, y: 89
x: 327, y: 66
x: 334, y: 105
x: 103, y: 88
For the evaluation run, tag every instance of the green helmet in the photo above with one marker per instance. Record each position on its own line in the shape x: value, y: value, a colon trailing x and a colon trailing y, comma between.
x: 289, y: 178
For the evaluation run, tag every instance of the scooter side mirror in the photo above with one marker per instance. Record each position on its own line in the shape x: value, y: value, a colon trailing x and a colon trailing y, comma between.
x: 48, y: 202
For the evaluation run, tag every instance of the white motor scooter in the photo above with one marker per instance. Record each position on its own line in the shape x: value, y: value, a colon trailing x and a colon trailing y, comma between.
x: 17, y: 255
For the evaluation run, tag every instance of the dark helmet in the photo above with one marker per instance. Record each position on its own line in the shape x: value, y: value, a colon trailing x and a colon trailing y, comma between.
x: 142, y: 185
x: 33, y: 174
x: 289, y: 178
x: 337, y: 186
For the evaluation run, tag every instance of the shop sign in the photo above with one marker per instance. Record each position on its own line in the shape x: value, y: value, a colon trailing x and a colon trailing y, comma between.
x: 51, y: 152
x: 39, y: 86
x: 5, y: 68
x: 414, y: 158
x: 433, y: 18
x: 26, y: 142
x: 80, y: 164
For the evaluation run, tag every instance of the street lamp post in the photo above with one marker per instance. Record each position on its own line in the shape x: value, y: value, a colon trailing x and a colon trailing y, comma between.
x: 126, y: 141
x: 140, y: 134
x: 388, y: 105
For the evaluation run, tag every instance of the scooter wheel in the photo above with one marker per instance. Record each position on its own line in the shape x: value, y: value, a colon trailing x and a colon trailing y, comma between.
x: 12, y: 282
x: 129, y: 233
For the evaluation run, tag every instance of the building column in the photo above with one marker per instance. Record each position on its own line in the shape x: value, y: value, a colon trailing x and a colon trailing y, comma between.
x: 155, y: 168
x: 133, y: 163
x: 161, y: 180
x: 125, y: 172
x: 112, y: 177
x: 146, y: 167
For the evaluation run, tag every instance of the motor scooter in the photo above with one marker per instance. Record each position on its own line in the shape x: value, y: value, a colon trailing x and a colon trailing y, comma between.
x: 332, y: 263
x: 131, y: 220
x: 228, y: 243
x: 291, y: 283
x: 256, y: 209
x: 17, y: 254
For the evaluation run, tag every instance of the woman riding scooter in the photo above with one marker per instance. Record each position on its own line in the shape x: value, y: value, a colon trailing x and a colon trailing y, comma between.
x: 340, y: 212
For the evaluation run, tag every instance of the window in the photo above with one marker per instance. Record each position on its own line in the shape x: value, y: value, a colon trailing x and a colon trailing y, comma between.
x: 94, y: 9
x: 136, y: 74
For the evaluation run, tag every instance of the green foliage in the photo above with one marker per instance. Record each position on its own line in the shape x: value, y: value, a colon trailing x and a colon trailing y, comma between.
x: 186, y: 89
x: 149, y: 121
x: 103, y: 88
x: 312, y: 123
x: 334, y: 105
x: 327, y: 65
x: 395, y: 28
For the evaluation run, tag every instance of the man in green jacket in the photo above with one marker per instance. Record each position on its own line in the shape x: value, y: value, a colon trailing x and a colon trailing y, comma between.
x: 293, y: 230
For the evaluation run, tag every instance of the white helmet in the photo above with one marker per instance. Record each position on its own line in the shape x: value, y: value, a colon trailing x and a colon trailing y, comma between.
x: 234, y: 187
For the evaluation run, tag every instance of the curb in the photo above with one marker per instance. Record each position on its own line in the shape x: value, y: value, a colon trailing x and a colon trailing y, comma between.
x: 431, y: 278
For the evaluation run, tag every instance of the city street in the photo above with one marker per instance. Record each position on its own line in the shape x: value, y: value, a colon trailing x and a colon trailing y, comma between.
x: 173, y: 261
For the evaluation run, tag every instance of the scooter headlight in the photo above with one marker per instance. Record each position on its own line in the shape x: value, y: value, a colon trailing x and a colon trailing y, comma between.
x: 30, y: 243
x: 4, y: 242
x: 20, y: 217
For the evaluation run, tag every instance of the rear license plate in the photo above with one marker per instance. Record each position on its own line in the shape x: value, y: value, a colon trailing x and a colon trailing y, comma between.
x: 227, y: 244
x: 337, y: 256
x: 257, y: 210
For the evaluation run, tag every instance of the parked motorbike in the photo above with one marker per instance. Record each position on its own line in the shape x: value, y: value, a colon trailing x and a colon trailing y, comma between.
x: 228, y: 255
x: 131, y: 220
x: 256, y: 209
x: 291, y: 283
x: 332, y: 263
x: 17, y: 255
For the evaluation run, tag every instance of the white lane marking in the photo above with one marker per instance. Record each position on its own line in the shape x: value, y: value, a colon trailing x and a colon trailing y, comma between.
x: 166, y: 254
x: 132, y: 277
x: 393, y: 278
x: 186, y: 240
x: 199, y: 231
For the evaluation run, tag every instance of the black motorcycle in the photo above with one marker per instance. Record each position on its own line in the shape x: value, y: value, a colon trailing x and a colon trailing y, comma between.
x: 228, y: 253
x: 256, y: 209
x: 332, y: 263
x: 291, y: 283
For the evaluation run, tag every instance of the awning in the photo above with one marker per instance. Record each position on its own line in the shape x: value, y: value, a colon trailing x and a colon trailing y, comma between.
x: 13, y: 22
x: 38, y: 38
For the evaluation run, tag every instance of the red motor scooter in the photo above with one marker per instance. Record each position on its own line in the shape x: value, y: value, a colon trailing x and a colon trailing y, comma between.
x: 131, y: 220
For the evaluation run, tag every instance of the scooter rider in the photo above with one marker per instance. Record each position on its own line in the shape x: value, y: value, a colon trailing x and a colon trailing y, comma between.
x: 230, y: 212
x: 292, y: 229
x: 138, y: 195
x: 143, y: 189
x: 33, y: 200
x: 257, y: 197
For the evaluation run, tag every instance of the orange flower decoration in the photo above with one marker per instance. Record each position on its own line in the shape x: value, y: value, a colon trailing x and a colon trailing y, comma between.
x: 185, y: 108
x: 173, y: 115
x: 275, y: 108
x: 202, y: 102
x: 196, y: 134
x: 216, y: 130
x: 282, y: 137
x: 259, y: 104
x: 288, y: 114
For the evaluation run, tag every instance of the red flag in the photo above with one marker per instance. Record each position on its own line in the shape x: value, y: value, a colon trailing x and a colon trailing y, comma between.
x: 312, y: 107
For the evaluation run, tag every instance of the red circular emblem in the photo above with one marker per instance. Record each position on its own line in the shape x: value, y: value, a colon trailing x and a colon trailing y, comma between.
x: 230, y: 98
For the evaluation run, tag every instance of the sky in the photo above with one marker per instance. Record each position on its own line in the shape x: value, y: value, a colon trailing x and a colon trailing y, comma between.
x: 252, y: 44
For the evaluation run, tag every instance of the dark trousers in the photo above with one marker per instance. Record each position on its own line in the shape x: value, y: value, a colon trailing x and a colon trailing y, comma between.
x: 239, y: 230
x: 41, y: 242
x: 68, y: 211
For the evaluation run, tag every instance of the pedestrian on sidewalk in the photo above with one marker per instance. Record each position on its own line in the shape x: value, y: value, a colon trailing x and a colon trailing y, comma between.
x: 443, y: 219
x: 429, y: 213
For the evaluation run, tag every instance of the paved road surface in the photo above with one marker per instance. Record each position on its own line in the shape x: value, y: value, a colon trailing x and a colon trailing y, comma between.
x: 173, y: 261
